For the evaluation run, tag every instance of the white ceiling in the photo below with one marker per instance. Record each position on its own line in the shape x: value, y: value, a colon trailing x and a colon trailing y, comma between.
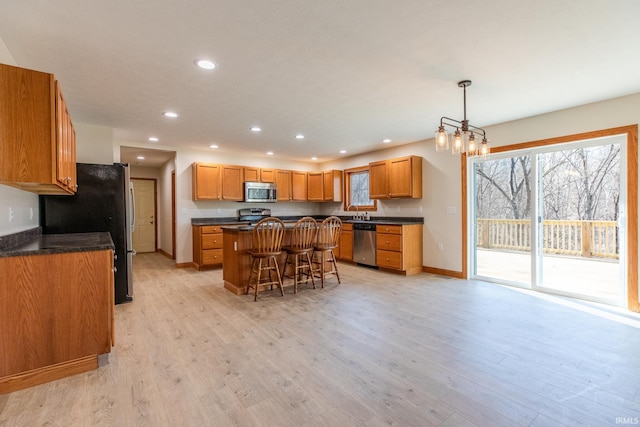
x: 345, y: 73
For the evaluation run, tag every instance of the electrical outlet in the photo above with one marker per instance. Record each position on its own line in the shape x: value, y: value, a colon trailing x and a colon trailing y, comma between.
x: 10, y: 214
x: 440, y: 247
x: 30, y: 213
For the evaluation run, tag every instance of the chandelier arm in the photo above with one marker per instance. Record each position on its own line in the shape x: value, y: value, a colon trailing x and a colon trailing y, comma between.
x: 456, y: 123
x: 484, y: 135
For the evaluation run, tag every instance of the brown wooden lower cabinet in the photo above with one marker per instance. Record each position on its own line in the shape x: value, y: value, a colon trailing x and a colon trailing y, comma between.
x: 399, y: 247
x: 345, y: 248
x: 207, y: 246
x: 56, y: 316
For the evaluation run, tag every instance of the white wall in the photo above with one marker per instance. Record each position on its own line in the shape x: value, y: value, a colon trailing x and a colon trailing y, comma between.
x: 94, y: 144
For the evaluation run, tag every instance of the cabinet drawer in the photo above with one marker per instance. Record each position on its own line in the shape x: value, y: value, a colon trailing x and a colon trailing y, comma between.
x: 389, y: 242
x: 389, y: 259
x: 347, y: 227
x: 390, y: 229
x: 212, y: 256
x: 211, y: 241
x: 210, y: 229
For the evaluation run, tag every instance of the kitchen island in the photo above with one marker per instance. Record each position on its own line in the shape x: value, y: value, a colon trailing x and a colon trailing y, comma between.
x: 400, y: 252
x: 236, y: 265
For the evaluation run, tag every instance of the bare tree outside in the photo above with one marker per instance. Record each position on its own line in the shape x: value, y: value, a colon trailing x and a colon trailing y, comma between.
x: 580, y: 184
x: 359, y: 187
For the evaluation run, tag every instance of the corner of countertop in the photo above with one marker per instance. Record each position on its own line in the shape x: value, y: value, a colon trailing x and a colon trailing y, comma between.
x: 16, y: 239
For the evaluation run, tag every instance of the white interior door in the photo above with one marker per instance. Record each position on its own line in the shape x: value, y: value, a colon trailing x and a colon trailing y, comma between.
x: 144, y: 235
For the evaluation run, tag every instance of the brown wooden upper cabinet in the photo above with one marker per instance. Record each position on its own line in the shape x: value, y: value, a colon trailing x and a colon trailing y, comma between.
x: 315, y: 186
x: 396, y: 178
x: 283, y: 185
x: 37, y: 138
x: 324, y: 186
x: 333, y: 186
x: 299, y: 186
x: 232, y: 182
x: 252, y: 174
x: 206, y: 181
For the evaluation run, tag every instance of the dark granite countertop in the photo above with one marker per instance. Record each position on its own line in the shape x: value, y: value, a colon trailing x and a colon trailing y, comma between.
x: 290, y: 221
x: 233, y: 221
x: 216, y: 221
x: 45, y: 244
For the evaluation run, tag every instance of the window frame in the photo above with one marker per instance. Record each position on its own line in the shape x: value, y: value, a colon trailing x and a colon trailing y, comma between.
x: 347, y: 190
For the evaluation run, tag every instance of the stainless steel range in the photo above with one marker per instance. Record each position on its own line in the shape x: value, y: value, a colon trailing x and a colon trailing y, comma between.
x: 253, y: 215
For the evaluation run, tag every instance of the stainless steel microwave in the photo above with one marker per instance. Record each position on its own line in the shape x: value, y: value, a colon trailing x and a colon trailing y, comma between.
x: 260, y: 192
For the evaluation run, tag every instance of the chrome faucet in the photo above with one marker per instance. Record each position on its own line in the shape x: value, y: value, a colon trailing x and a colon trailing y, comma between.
x: 357, y: 215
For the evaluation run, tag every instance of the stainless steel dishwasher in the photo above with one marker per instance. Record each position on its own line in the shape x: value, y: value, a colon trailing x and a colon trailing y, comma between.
x: 364, y: 243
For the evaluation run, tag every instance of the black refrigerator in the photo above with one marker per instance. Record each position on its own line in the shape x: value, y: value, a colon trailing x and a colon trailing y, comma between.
x: 103, y: 202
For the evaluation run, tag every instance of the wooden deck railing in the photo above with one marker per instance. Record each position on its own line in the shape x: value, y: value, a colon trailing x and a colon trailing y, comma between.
x: 579, y: 238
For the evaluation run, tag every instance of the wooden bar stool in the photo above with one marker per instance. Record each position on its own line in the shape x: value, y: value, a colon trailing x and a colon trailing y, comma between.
x: 327, y: 240
x: 299, y: 252
x: 265, y: 248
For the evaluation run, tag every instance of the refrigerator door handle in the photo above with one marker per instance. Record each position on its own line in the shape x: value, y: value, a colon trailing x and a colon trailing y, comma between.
x: 133, y: 206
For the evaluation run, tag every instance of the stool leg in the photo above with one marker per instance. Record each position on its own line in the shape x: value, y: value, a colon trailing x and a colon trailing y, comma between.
x: 275, y: 262
x: 253, y: 263
x: 322, y: 269
x: 310, y: 271
x: 255, y: 295
x: 295, y: 274
x: 335, y: 265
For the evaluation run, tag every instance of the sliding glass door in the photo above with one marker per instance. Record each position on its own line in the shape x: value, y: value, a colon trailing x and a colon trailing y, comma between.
x: 551, y: 219
x: 502, y: 247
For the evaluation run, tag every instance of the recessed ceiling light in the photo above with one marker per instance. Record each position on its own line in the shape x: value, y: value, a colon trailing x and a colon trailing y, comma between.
x: 314, y: 158
x: 213, y: 146
x: 255, y: 129
x: 343, y: 151
x: 170, y: 114
x: 269, y: 153
x: 386, y: 141
x: 205, y: 64
x: 140, y: 157
x: 299, y: 136
x: 153, y: 139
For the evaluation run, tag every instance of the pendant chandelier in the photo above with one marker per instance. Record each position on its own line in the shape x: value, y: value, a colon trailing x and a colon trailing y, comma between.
x: 463, y: 139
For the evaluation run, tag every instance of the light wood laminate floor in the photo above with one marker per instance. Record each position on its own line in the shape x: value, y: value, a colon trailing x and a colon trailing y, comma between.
x: 378, y: 349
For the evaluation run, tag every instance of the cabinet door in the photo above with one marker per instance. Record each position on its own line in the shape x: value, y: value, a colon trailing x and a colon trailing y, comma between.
x: 206, y: 181
x: 251, y: 174
x: 378, y: 188
x: 315, y: 186
x: 333, y: 186
x: 232, y: 183
x: 283, y: 184
x: 267, y: 175
x: 299, y: 184
x: 65, y: 144
x: 346, y: 245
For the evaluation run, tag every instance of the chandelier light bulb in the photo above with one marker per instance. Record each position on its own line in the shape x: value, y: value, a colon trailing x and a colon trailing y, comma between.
x: 473, y: 148
x: 457, y: 142
x: 442, y: 139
